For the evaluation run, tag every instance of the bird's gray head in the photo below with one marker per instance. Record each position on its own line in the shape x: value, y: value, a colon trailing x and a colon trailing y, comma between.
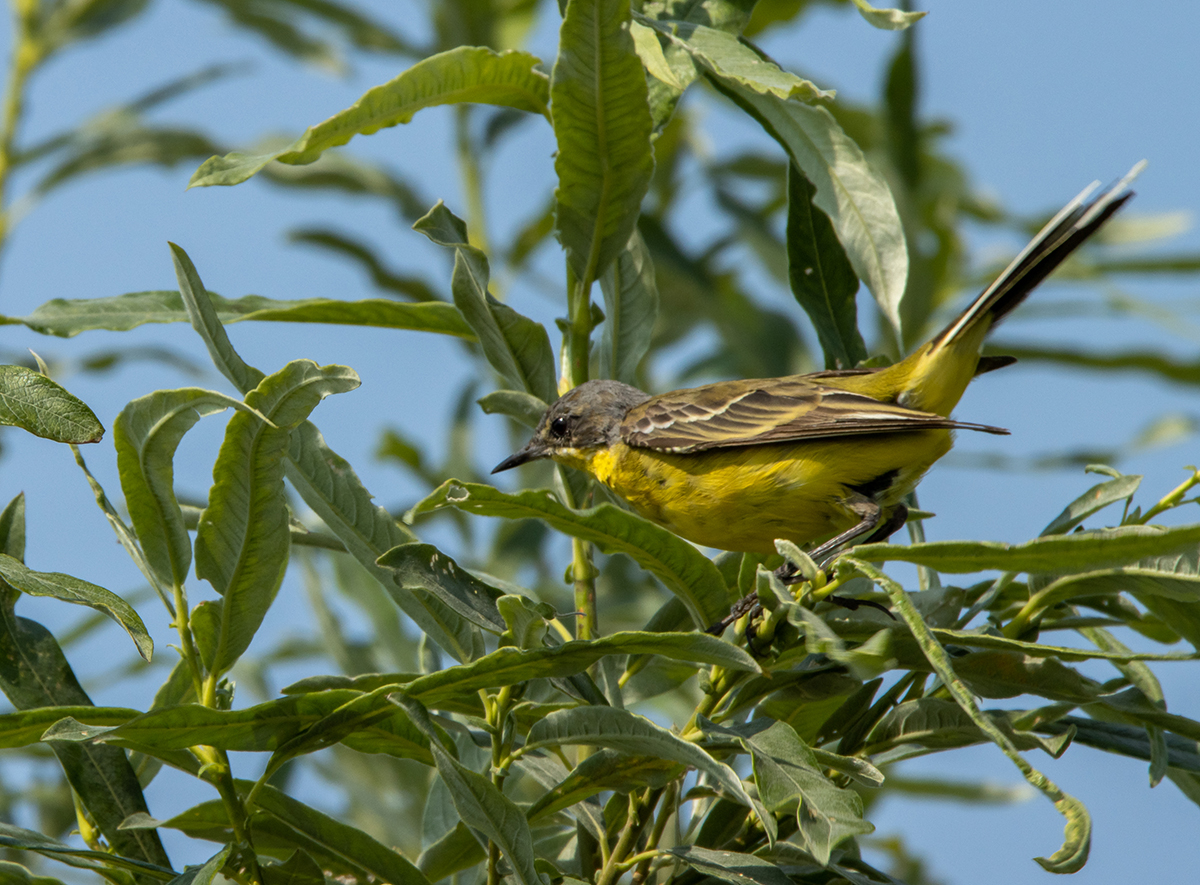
x: 587, y: 416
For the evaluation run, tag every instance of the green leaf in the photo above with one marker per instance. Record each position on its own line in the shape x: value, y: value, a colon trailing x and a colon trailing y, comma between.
x: 601, y: 771
x: 514, y: 345
x: 731, y: 866
x: 33, y: 402
x: 1092, y: 501
x: 339, y: 839
x: 789, y: 779
x: 630, y: 311
x: 602, y: 125
x: 206, y: 872
x: 243, y: 539
x: 27, y: 726
x: 329, y: 485
x: 1077, y: 834
x: 1055, y: 554
x: 854, y: 196
x: 681, y: 567
x: 887, y: 19
x: 630, y: 733
x: 265, y: 727
x: 511, y: 666
x: 145, y: 435
x: 68, y: 317
x: 516, y: 404
x: 101, y: 862
x: 822, y: 280
x: 479, y: 802
x: 463, y: 74
x: 15, y: 874
x: 426, y: 567
x: 79, y: 592
x: 723, y: 53
x: 650, y: 51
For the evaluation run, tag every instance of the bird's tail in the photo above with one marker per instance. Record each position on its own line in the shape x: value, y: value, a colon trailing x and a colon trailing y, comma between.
x: 933, y: 382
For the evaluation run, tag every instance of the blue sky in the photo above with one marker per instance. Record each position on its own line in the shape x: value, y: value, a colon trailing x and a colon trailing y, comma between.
x: 1044, y: 98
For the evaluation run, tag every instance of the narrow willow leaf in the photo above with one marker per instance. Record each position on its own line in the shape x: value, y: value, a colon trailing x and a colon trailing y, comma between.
x: 514, y: 345
x: 681, y: 567
x: 267, y: 727
x: 340, y: 839
x: 1040, y: 650
x: 15, y: 874
x: 298, y: 869
x: 1055, y: 554
x: 854, y: 196
x: 630, y: 733
x: 1093, y: 500
x: 68, y: 317
x: 731, y: 866
x: 101, y: 862
x: 79, y: 592
x: 630, y: 310
x: 145, y: 435
x: 26, y: 727
x: 822, y: 280
x: 463, y: 74
x: 511, y: 666
x: 426, y: 567
x: 1150, y: 362
x: 887, y: 19
x: 1077, y: 834
x: 72, y: 731
x: 516, y: 404
x: 33, y: 402
x: 479, y: 802
x: 723, y: 53
x: 602, y: 125
x: 243, y: 539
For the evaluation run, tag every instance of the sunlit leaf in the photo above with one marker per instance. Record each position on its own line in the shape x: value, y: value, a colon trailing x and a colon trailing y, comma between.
x: 33, y: 402
x: 464, y: 74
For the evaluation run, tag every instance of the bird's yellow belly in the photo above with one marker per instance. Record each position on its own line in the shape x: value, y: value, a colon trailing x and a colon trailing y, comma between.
x: 744, y: 498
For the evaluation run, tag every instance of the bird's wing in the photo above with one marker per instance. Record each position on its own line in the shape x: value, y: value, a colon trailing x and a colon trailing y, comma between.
x: 772, y: 410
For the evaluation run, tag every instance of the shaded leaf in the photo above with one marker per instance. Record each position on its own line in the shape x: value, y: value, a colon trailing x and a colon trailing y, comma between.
x: 424, y: 566
x: 821, y: 278
x: 731, y: 866
x: 79, y: 592
x: 630, y: 311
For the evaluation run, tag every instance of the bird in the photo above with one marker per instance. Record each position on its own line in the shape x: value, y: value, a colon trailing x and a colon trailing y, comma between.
x: 825, y: 458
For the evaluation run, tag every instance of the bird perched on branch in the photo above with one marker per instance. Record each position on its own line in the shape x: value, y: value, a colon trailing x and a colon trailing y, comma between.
x: 826, y: 457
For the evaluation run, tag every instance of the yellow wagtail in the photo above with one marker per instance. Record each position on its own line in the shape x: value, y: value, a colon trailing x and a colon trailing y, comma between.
x: 822, y: 457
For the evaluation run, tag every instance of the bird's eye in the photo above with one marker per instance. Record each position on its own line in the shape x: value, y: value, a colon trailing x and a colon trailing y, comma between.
x: 558, y: 427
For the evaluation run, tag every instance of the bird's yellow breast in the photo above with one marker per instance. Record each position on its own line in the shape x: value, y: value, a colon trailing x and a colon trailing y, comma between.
x: 744, y: 498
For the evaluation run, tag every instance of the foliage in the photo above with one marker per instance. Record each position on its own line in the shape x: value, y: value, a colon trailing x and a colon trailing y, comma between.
x: 477, y: 733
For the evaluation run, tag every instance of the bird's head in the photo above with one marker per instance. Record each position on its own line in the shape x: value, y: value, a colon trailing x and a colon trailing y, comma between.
x: 586, y: 417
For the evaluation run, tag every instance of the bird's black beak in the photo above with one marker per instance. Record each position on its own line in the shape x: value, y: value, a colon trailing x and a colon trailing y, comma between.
x: 533, y: 451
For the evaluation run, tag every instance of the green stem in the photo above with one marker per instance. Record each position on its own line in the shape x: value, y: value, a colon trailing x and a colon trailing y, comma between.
x: 640, y: 810
x: 650, y: 850
x: 1171, y: 499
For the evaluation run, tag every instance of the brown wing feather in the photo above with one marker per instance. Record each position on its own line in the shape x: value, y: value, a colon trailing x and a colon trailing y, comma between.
x: 772, y: 410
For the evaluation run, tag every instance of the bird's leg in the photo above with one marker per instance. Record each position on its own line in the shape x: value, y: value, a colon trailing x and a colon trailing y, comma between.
x: 870, y: 515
